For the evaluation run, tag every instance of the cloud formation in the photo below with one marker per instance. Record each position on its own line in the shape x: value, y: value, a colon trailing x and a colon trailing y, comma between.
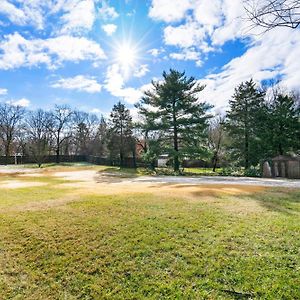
x: 115, y: 85
x: 109, y: 29
x: 107, y: 12
x: 199, y: 27
x: 79, y: 83
x: 69, y: 15
x: 17, y: 51
x: 3, y: 91
x: 23, y: 102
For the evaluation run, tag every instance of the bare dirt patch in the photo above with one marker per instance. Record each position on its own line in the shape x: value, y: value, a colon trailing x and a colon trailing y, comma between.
x: 15, y: 170
x: 223, y: 196
x: 84, y: 175
x: 17, y: 184
x: 34, y: 175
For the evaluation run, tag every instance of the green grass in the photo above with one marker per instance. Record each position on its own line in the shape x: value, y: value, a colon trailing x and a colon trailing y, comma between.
x: 145, y: 246
x: 202, y: 171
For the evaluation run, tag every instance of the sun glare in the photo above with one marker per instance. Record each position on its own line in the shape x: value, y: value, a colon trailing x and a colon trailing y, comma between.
x: 126, y: 56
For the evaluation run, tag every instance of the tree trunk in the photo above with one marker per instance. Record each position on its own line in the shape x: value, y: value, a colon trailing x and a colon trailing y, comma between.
x: 176, y: 158
x: 246, y: 138
x: 246, y: 152
x: 215, y: 161
x: 57, y: 150
x: 7, y: 151
x: 9, y: 138
x: 121, y: 159
x: 134, y: 158
x: 122, y: 147
x: 216, y: 154
x: 280, y: 150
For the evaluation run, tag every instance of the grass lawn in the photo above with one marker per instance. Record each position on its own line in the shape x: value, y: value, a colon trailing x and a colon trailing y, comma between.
x: 202, y: 171
x: 61, y: 242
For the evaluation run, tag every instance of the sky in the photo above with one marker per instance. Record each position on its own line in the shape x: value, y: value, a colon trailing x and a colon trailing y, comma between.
x: 90, y: 54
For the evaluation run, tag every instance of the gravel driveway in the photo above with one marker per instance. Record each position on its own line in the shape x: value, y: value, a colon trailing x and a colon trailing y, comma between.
x: 291, y: 183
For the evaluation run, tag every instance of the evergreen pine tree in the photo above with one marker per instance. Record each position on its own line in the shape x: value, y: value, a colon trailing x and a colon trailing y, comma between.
x: 121, y: 126
x: 244, y: 120
x: 172, y: 109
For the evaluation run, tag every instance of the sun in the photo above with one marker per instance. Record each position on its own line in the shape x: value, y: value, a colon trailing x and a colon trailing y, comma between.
x: 126, y: 56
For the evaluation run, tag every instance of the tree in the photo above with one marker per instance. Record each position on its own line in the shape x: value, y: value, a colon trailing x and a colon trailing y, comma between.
x: 172, y: 108
x: 60, y: 117
x: 39, y: 135
x: 10, y: 120
x: 216, y: 136
x: 243, y: 121
x: 85, y: 131
x: 150, y: 141
x: 100, y: 143
x: 121, y: 126
x: 282, y: 131
x: 273, y: 13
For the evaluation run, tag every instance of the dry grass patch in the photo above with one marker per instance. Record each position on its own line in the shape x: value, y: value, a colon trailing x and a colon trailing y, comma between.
x: 74, y: 238
x: 17, y: 184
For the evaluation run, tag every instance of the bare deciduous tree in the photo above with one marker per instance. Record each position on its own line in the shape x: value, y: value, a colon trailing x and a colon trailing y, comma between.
x: 38, y: 130
x: 85, y: 129
x: 273, y: 13
x: 60, y: 117
x: 10, y: 119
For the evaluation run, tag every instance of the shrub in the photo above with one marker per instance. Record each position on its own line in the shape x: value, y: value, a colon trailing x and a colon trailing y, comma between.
x: 253, y: 172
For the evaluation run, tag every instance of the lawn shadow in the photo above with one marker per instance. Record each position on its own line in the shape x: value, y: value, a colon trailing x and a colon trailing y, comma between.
x: 281, y: 200
x: 115, y: 175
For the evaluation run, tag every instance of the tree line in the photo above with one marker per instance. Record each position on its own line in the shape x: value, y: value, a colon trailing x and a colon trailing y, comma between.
x: 173, y: 121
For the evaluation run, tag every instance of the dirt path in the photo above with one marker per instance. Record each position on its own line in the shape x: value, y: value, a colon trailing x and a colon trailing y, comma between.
x: 98, y: 177
x: 223, y: 180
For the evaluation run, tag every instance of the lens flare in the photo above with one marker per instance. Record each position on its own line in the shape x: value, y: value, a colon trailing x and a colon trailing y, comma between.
x: 126, y: 56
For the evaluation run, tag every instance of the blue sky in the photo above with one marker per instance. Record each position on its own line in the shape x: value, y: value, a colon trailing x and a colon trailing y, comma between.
x: 91, y: 53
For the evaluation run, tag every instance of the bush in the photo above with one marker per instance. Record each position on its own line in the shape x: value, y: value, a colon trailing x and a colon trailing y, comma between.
x: 253, y: 172
x: 232, y: 171
x: 238, y: 171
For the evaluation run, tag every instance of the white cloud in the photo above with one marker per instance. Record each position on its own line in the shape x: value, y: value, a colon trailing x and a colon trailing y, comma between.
x: 169, y: 10
x: 206, y: 25
x: 20, y: 102
x: 107, y: 12
x: 78, y: 15
x: 115, y: 85
x: 208, y: 12
x: 23, y: 13
x: 275, y: 54
x: 96, y: 111
x: 141, y: 71
x: 188, y: 54
x: 18, y: 51
x: 13, y: 13
x: 3, y: 91
x: 80, y: 83
x: 186, y: 35
x: 156, y: 52
x: 68, y: 15
x: 109, y: 29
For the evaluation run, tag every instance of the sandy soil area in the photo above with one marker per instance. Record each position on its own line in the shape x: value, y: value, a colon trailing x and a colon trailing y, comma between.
x: 85, y: 182
x: 104, y: 184
x: 16, y: 184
